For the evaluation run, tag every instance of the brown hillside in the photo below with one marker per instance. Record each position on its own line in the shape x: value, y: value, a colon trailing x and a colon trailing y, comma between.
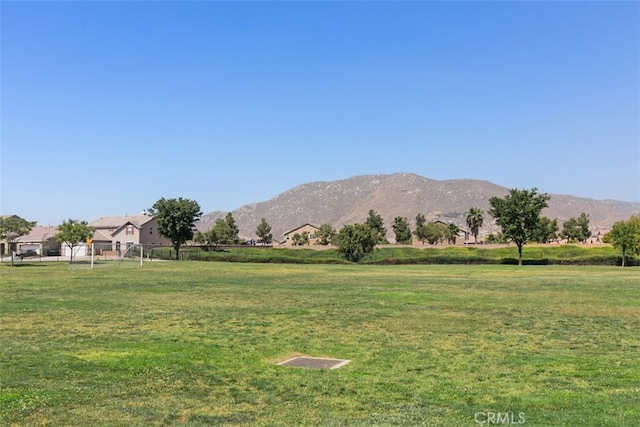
x: 403, y: 194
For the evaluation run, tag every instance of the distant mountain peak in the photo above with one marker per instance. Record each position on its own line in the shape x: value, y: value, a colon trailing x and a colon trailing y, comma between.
x: 405, y: 194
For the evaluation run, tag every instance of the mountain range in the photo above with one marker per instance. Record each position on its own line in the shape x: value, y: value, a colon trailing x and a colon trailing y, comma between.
x: 348, y: 201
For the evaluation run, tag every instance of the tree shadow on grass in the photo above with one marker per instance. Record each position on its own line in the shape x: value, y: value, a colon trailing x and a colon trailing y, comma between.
x: 23, y: 264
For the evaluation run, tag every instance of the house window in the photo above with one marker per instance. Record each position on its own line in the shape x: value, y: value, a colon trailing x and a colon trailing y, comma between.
x: 150, y: 230
x: 129, y: 230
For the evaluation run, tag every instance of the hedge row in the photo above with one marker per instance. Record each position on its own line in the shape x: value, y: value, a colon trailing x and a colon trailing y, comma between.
x: 566, y: 255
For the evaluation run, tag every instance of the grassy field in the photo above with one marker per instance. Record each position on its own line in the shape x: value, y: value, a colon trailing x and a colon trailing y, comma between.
x: 192, y: 343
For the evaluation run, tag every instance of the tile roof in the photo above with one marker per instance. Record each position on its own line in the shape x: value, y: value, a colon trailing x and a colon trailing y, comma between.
x: 302, y: 226
x: 39, y: 233
x: 8, y: 216
x: 100, y: 236
x: 119, y: 221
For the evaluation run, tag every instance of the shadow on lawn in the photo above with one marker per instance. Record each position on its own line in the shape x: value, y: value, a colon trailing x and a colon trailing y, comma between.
x: 23, y: 264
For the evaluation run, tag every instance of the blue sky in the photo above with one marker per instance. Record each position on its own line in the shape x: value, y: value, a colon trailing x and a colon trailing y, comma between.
x: 108, y: 106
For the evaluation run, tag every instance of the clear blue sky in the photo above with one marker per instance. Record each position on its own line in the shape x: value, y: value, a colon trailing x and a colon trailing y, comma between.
x: 108, y: 106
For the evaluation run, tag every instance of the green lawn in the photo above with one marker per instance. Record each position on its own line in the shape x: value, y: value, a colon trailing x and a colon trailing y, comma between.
x: 188, y: 343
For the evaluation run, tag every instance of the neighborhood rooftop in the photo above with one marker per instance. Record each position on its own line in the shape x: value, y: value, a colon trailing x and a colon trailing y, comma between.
x: 118, y: 221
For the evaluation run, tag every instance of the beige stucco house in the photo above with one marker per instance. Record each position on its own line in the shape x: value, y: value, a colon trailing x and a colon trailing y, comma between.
x: 116, y: 234
x: 308, y: 228
x: 464, y: 235
x: 41, y: 239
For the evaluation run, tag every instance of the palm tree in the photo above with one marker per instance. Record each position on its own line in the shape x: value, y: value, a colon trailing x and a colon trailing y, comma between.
x: 474, y: 220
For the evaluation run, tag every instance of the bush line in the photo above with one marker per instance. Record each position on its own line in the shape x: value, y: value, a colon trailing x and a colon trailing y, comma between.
x: 557, y: 255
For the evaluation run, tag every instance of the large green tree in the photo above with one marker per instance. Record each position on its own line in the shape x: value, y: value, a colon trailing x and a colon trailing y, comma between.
x: 356, y: 241
x: 518, y: 214
x: 625, y: 237
x: 325, y: 234
x: 474, y: 219
x: 401, y: 229
x: 176, y: 219
x: 72, y: 233
x: 375, y: 222
x: 263, y: 231
x: 12, y: 228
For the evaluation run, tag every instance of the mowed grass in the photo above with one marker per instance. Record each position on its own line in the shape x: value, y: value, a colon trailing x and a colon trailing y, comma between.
x: 188, y: 343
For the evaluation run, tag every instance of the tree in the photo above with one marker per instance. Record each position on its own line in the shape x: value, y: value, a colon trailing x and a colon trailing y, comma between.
x: 220, y: 231
x: 226, y: 230
x: 576, y: 229
x: 420, y: 232
x: 208, y: 238
x: 356, y: 240
x: 569, y: 230
x: 452, y: 232
x: 625, y: 237
x: 496, y: 238
x: 73, y: 232
x: 435, y: 232
x: 376, y: 223
x: 12, y: 228
x: 546, y: 231
x: 263, y: 231
x: 583, y: 226
x: 401, y: 229
x: 474, y: 219
x: 518, y: 214
x: 199, y: 238
x: 301, y: 239
x: 325, y: 234
x: 176, y: 219
x: 233, y: 229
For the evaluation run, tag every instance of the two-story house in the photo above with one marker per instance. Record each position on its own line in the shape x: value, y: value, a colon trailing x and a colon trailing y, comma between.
x: 116, y: 234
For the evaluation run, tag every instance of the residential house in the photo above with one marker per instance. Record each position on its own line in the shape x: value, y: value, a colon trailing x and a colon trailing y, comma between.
x: 308, y: 228
x: 38, y: 239
x: 41, y: 240
x: 116, y: 234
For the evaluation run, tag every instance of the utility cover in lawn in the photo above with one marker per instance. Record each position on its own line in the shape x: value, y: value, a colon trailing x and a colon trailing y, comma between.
x: 315, y: 362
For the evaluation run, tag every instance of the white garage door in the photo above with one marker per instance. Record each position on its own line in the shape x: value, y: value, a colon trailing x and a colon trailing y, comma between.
x: 77, y: 250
